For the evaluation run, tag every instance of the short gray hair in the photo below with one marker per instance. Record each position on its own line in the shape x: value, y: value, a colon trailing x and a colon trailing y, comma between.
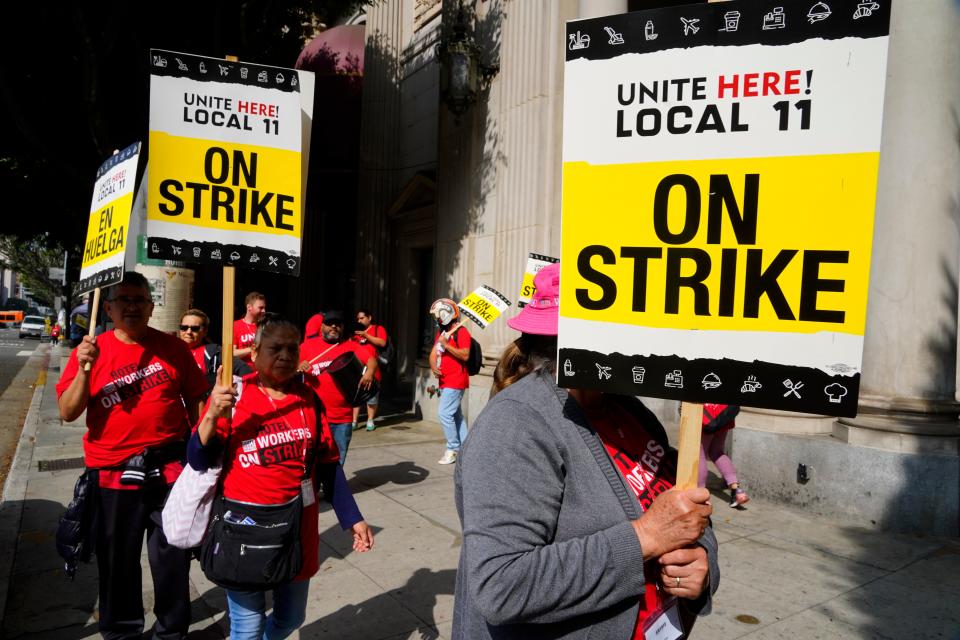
x: 130, y: 279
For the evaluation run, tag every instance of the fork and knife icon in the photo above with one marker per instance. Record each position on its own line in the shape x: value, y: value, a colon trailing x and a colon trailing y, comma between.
x: 792, y: 388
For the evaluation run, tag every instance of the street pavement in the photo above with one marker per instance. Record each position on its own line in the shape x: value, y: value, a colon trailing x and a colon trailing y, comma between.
x: 785, y: 574
x: 18, y: 374
x: 13, y: 355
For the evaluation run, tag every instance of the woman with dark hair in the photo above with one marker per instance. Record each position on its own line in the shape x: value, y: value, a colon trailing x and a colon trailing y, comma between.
x: 276, y: 446
x: 579, y: 532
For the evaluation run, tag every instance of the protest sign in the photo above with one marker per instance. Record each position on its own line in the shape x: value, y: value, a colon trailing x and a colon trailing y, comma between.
x: 535, y: 262
x: 719, y: 183
x: 108, y: 228
x: 483, y: 305
x: 225, y: 163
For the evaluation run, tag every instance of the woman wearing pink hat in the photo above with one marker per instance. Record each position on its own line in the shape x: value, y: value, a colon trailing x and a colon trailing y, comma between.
x: 570, y: 527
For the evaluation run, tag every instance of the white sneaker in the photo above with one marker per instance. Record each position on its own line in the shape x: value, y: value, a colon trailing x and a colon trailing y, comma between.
x: 449, y: 457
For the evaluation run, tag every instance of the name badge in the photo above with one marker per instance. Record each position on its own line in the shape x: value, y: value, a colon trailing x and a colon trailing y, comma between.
x: 306, y: 490
x: 664, y: 625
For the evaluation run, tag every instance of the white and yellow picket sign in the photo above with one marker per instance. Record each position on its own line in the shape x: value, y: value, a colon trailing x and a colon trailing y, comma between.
x: 483, y: 305
x: 535, y: 262
x: 225, y: 163
x: 720, y: 171
x: 108, y: 228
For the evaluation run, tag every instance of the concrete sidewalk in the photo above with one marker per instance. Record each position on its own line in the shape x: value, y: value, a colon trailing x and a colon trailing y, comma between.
x: 784, y: 574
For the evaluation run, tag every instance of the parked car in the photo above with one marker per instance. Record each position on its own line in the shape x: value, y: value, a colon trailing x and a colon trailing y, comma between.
x: 33, y: 327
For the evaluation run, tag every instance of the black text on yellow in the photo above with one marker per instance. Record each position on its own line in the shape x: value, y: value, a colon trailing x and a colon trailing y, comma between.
x: 758, y: 281
x: 107, y: 239
x: 240, y: 202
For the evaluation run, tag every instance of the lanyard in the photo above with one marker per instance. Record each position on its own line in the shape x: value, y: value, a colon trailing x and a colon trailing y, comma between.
x: 303, y: 418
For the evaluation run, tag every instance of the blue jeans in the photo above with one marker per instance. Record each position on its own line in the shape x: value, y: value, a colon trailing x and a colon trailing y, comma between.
x: 342, y: 434
x: 451, y: 418
x: 248, y: 619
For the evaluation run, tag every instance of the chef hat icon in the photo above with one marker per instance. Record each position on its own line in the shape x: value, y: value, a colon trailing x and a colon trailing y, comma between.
x: 835, y: 392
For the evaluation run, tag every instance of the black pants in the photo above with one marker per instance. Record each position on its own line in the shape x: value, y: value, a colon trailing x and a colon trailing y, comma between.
x: 123, y: 519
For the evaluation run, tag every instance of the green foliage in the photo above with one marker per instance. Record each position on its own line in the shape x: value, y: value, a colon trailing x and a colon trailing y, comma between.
x: 74, y: 85
x: 31, y: 260
x: 16, y: 304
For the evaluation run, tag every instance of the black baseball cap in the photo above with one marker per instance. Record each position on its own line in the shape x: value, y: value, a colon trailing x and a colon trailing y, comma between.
x: 333, y: 317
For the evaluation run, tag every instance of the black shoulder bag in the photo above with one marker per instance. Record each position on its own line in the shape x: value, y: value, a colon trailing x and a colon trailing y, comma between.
x: 254, y: 547
x: 251, y: 547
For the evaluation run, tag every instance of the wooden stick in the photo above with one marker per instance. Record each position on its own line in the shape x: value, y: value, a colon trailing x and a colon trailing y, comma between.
x: 320, y: 355
x: 229, y: 286
x: 92, y: 329
x: 688, y: 460
x: 226, y: 349
x: 691, y: 427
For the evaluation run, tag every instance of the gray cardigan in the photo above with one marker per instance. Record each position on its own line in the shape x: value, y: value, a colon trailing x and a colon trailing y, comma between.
x: 548, y: 548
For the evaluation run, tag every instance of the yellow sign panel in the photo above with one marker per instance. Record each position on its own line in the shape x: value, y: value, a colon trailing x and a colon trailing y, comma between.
x: 107, y: 231
x: 227, y: 186
x: 729, y: 244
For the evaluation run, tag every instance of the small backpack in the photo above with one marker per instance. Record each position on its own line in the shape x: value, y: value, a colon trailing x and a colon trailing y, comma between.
x: 386, y: 354
x: 475, y: 358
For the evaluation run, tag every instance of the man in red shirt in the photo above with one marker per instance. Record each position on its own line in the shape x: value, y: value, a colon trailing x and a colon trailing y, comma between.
x: 317, y: 354
x: 245, y: 328
x: 448, y: 361
x: 374, y: 335
x: 141, y: 394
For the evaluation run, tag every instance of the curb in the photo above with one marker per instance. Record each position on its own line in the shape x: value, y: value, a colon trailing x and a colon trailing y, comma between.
x: 15, y: 489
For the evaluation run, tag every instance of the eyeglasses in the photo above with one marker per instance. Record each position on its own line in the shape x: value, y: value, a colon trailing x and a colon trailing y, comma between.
x: 127, y: 301
x: 196, y: 328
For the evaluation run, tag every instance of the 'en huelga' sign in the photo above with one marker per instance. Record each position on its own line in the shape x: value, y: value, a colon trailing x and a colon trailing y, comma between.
x: 108, y: 228
x: 719, y: 185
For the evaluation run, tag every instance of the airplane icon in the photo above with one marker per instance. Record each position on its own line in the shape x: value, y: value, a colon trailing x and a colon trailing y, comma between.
x: 603, y: 373
x: 690, y: 25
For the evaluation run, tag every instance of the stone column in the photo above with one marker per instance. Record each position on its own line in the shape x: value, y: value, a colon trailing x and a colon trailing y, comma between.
x: 597, y: 8
x: 895, y: 465
x: 908, y: 394
x: 378, y: 149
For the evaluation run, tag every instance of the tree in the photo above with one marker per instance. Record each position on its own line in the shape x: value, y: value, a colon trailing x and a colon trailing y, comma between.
x: 31, y: 261
x: 16, y: 304
x: 74, y: 85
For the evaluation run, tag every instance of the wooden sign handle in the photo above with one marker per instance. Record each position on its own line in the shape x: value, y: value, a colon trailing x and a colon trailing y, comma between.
x: 229, y: 285
x: 688, y: 460
x: 92, y: 329
x: 226, y: 349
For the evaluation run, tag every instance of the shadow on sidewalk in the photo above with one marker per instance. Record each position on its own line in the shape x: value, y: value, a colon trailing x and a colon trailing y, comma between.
x: 360, y: 621
x: 401, y: 473
x: 43, y: 603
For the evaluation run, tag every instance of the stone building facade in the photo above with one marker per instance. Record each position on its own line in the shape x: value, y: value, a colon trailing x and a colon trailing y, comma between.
x: 447, y: 204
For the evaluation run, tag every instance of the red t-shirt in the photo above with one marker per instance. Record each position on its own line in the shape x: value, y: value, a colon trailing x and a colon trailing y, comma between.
x: 711, y: 411
x: 648, y: 471
x: 339, y: 408
x: 137, y: 395
x: 243, y: 334
x: 376, y: 331
x: 269, y: 444
x: 200, y: 355
x: 453, y: 372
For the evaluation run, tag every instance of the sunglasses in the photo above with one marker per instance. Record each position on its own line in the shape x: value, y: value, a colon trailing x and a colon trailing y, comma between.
x: 196, y: 328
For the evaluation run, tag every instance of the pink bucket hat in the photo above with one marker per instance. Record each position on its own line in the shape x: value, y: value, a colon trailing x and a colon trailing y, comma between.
x: 541, y: 316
